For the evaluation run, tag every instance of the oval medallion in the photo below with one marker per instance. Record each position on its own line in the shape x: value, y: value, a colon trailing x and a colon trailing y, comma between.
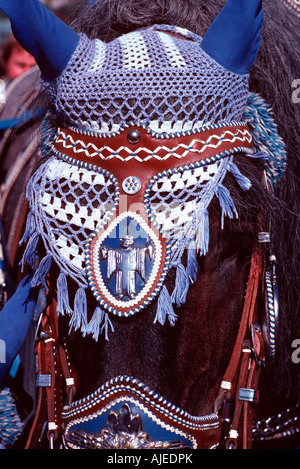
x: 127, y: 263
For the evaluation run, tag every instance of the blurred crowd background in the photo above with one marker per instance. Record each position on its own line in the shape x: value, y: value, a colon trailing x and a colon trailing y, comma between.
x: 13, y: 59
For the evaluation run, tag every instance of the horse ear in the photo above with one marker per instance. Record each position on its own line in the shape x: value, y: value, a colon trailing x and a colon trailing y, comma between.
x: 233, y: 38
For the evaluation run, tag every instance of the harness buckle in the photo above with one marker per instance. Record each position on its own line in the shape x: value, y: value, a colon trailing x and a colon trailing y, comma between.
x: 264, y: 237
x: 43, y: 380
x: 249, y: 395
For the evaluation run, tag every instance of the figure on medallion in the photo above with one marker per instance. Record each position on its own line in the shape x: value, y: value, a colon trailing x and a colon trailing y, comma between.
x: 126, y: 263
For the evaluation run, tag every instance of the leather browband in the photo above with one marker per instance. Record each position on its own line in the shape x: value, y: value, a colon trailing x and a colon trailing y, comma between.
x: 152, y: 153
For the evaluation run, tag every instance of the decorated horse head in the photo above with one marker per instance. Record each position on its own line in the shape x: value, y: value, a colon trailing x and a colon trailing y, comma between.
x: 160, y: 226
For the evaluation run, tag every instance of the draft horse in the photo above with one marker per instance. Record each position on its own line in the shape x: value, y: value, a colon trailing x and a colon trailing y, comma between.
x: 221, y: 372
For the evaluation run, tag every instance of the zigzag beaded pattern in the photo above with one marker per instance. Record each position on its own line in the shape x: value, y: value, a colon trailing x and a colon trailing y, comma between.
x: 171, y: 199
x: 160, y: 153
x: 172, y: 196
x: 196, y: 182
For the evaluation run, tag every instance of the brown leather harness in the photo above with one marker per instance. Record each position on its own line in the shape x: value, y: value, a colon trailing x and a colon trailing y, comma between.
x: 242, y: 375
x: 56, y: 379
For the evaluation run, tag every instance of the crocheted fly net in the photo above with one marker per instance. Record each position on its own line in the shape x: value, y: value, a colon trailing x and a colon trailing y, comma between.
x: 147, y: 76
x: 169, y: 85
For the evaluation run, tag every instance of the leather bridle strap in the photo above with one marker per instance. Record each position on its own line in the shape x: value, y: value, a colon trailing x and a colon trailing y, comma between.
x: 248, y: 312
x: 52, y: 367
x: 241, y: 376
x: 252, y: 383
x: 242, y: 373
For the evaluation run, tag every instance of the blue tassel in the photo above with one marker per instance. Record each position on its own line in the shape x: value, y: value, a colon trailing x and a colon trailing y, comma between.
x: 260, y: 155
x: 30, y: 228
x: 192, y: 264
x: 106, y: 325
x: 181, y: 286
x: 11, y: 427
x: 29, y: 256
x: 202, y: 234
x: 94, y: 325
x: 79, y: 316
x: 226, y: 203
x: 100, y: 322
x: 40, y: 275
x: 29, y: 190
x: 165, y: 308
x: 266, y: 138
x: 243, y: 181
x: 63, y: 306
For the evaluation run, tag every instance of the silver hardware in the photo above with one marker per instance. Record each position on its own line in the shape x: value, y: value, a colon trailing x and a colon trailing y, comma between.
x: 126, y: 433
x: 125, y: 262
x: 248, y: 395
x: 133, y: 136
x: 264, y: 237
x: 131, y: 185
x: 270, y: 325
x: 37, y: 330
x: 43, y: 381
x: 51, y: 441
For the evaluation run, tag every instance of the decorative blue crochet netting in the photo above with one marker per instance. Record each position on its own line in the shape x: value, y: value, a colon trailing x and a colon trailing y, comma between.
x: 147, y: 76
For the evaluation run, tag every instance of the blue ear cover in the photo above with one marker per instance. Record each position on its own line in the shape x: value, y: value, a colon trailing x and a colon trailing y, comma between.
x: 233, y: 38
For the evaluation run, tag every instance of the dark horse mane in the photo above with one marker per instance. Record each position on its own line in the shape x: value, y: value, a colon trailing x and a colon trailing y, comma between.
x: 272, y: 75
x: 274, y: 71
